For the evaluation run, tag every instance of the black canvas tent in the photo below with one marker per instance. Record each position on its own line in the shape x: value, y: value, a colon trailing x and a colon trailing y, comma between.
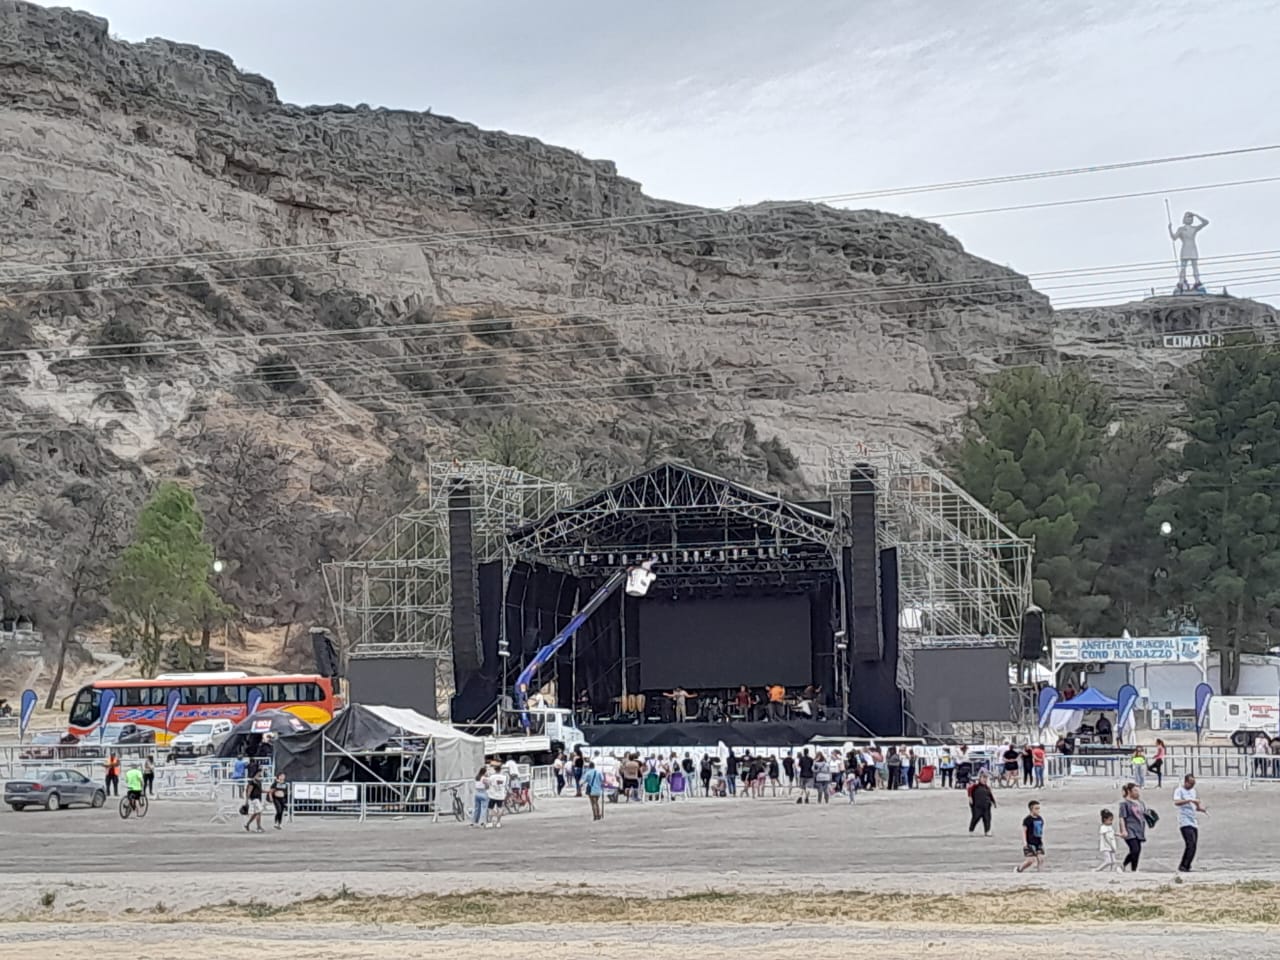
x: 369, y: 744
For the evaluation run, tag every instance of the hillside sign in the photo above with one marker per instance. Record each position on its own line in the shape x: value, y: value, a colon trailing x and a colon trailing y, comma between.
x: 1192, y: 341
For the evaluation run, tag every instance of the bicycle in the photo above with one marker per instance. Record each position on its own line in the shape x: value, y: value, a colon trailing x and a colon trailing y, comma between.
x: 519, y: 799
x: 459, y: 811
x: 130, y: 806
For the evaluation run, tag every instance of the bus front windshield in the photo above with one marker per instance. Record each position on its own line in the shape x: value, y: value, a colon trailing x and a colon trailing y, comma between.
x: 84, y: 711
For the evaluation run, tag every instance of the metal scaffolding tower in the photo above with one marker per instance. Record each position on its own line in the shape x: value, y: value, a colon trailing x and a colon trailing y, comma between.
x: 964, y: 578
x: 392, y: 598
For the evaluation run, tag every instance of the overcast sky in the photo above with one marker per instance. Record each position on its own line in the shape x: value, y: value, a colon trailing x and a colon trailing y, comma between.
x: 719, y: 102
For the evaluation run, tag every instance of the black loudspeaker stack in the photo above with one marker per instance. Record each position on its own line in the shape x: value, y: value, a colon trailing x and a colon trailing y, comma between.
x: 462, y: 578
x: 327, y: 662
x: 866, y: 639
x: 1032, y: 645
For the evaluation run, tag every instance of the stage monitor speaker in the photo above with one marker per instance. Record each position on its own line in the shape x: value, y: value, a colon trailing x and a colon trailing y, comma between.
x: 326, y: 656
x: 866, y: 641
x: 1032, y: 644
x: 463, y: 602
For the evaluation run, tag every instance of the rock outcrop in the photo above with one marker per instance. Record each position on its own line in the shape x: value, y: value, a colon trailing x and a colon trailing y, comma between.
x: 193, y: 272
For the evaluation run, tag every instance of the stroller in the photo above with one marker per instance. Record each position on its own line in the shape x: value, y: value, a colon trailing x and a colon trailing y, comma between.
x: 964, y: 774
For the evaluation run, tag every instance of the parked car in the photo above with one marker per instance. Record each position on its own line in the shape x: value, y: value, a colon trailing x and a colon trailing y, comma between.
x: 53, y: 790
x: 115, y: 735
x: 203, y: 737
x: 44, y: 746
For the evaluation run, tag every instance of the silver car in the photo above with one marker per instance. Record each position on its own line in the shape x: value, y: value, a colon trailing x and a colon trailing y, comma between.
x: 53, y: 790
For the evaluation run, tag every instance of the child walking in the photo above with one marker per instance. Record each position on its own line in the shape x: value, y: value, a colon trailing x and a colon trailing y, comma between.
x: 1108, y: 842
x: 1032, y: 838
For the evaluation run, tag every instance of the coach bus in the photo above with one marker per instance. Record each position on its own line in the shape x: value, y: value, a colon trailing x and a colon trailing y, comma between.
x: 204, y: 696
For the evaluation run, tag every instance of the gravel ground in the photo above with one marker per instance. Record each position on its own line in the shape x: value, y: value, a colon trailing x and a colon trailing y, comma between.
x: 64, y: 869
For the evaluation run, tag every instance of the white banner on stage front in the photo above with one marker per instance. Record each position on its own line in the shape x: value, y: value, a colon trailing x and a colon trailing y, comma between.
x: 1130, y: 649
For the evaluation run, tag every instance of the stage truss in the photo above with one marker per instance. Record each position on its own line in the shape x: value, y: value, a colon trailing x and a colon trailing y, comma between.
x: 729, y: 530
x: 392, y: 598
x: 964, y: 578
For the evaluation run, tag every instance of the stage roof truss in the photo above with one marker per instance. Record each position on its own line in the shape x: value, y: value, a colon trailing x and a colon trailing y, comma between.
x: 629, y: 518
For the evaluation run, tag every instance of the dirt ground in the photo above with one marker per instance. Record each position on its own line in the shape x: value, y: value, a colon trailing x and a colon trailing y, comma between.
x: 897, y: 873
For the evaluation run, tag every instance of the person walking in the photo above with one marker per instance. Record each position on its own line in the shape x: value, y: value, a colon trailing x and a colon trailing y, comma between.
x: 1032, y: 838
x: 947, y: 768
x: 1188, y: 804
x: 1108, y: 843
x: 1139, y: 764
x: 480, y: 802
x: 149, y: 776
x: 1133, y: 824
x: 822, y: 778
x: 111, y: 781
x: 496, y: 788
x: 805, y: 765
x: 1028, y: 766
x: 253, y: 802
x: 558, y: 769
x: 279, y: 796
x: 894, y: 768
x: 1156, y: 765
x: 908, y: 760
x: 981, y: 802
x: 593, y: 787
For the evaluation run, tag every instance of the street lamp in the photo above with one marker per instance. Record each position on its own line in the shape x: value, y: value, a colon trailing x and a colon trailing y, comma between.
x: 1166, y: 529
x: 218, y: 567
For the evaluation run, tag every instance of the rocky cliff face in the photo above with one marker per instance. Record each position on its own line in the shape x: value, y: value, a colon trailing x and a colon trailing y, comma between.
x: 304, y: 302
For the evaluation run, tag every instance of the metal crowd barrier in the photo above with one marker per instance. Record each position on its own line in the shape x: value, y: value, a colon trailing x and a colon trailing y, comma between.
x: 363, y: 801
x: 1210, y: 764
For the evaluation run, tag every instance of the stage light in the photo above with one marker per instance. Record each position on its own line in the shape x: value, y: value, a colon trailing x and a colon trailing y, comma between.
x: 666, y: 558
x: 722, y: 556
x: 611, y: 559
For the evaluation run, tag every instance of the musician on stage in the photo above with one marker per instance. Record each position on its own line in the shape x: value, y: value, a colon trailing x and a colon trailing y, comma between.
x: 680, y: 697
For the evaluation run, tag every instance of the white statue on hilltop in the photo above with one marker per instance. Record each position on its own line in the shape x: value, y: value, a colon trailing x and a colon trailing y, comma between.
x: 1188, y: 252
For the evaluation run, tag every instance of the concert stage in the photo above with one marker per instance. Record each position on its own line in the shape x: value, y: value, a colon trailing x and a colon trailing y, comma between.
x: 751, y: 590
x: 792, y: 734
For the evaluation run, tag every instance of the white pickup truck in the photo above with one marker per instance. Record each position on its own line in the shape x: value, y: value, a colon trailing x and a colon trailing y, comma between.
x: 550, y: 730
x: 200, y: 738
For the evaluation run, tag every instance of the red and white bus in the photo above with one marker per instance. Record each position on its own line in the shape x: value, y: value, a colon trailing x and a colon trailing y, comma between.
x: 205, y: 696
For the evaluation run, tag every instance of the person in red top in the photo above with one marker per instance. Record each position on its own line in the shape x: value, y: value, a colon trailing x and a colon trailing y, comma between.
x: 1156, y: 766
x: 1037, y: 763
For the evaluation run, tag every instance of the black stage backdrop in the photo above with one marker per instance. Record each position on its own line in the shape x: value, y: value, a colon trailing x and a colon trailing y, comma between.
x: 725, y: 642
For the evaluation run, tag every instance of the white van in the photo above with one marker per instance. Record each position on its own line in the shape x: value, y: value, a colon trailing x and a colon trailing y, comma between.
x: 1242, y: 718
x: 201, y: 738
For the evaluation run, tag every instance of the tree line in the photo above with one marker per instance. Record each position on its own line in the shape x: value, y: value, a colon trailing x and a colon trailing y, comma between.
x: 1157, y: 524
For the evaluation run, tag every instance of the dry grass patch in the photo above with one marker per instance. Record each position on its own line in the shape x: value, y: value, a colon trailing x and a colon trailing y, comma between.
x: 1246, y: 903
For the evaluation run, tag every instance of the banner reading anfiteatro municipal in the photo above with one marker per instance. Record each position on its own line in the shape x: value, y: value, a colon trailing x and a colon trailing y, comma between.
x: 1129, y: 649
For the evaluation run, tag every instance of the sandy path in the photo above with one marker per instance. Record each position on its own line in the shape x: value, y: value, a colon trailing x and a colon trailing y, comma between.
x: 789, y: 942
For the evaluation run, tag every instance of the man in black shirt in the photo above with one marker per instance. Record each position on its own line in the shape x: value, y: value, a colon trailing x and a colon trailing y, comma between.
x: 253, y: 802
x: 805, y: 763
x: 789, y: 768
x: 1010, y: 776
x: 981, y: 802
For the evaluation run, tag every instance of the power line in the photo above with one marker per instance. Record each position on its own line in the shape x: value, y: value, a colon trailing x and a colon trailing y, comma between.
x: 668, y: 216
x: 537, y: 394
x: 876, y: 296
x: 521, y: 355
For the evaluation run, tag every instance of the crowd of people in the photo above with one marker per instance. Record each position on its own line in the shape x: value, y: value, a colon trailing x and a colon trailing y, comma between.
x: 806, y: 775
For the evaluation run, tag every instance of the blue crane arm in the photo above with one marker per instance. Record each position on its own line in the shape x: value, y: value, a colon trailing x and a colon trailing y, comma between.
x: 563, y: 637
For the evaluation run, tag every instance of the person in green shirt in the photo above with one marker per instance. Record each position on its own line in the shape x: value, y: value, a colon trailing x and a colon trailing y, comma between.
x: 133, y: 785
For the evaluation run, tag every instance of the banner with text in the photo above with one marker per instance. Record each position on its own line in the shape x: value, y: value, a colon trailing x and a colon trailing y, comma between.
x: 1129, y: 649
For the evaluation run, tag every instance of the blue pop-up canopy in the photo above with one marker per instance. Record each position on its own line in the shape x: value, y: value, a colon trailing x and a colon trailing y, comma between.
x: 1089, y: 699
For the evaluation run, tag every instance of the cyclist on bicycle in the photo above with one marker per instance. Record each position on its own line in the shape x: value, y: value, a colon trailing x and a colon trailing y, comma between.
x: 133, y: 785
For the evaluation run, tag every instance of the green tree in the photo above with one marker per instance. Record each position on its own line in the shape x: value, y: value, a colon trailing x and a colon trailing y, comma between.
x: 1132, y: 464
x: 513, y: 442
x: 1225, y: 508
x: 161, y: 592
x: 1028, y: 452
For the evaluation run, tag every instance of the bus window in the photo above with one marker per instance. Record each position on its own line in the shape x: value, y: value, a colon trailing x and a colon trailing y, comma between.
x: 202, y: 695
x: 134, y: 697
x: 311, y: 691
x: 84, y: 711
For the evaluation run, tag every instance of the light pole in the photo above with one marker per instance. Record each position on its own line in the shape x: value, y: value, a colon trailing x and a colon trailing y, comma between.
x: 218, y: 567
